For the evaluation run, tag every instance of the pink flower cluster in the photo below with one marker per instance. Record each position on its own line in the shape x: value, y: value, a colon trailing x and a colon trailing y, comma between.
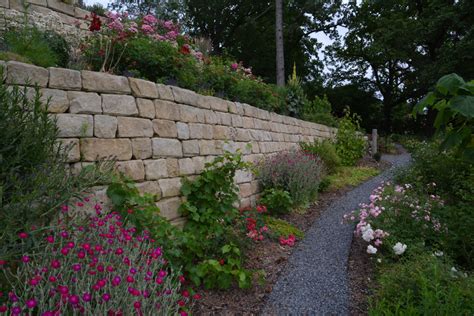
x: 96, y: 266
x: 254, y: 224
x: 290, y: 241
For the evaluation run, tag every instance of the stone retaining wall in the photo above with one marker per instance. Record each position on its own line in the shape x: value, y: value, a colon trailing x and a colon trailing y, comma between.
x: 158, y: 133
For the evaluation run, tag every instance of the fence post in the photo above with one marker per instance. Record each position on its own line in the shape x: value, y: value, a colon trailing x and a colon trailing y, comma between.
x: 374, y: 141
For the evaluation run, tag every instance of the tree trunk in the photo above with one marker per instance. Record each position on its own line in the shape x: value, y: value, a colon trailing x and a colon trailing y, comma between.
x: 280, y: 60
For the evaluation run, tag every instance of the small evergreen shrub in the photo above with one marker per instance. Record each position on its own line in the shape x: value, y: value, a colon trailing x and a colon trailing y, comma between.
x: 350, y: 144
x: 277, y: 201
x: 295, y: 172
x: 326, y: 150
x: 281, y: 228
x: 319, y: 111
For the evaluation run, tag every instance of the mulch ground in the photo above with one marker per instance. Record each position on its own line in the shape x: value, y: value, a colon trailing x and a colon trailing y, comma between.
x: 272, y: 258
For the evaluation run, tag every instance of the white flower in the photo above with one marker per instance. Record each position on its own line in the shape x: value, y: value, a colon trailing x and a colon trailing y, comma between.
x: 379, y: 260
x: 368, y: 235
x: 371, y: 250
x: 438, y: 253
x: 454, y: 270
x: 399, y: 248
x: 365, y: 228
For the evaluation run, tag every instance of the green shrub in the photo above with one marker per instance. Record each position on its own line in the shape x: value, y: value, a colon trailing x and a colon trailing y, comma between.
x: 296, y: 99
x: 295, y: 172
x: 281, y: 228
x: 422, y: 285
x: 256, y: 93
x: 344, y: 176
x: 277, y: 201
x: 350, y: 144
x: 326, y: 150
x: 319, y: 111
x: 33, y: 179
x: 45, y: 49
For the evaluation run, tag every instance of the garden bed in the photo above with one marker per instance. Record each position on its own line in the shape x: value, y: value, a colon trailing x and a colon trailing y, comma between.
x: 270, y: 257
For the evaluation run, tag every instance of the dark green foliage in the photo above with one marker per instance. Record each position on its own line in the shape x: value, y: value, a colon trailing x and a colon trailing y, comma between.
x: 45, y: 49
x: 422, y: 285
x: 257, y: 93
x: 296, y: 99
x: 277, y: 201
x: 319, y: 111
x: 34, y: 181
x: 350, y: 144
x: 326, y: 150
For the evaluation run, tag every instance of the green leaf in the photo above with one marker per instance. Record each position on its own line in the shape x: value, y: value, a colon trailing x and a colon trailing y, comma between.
x: 226, y: 249
x: 464, y: 105
x: 449, y: 84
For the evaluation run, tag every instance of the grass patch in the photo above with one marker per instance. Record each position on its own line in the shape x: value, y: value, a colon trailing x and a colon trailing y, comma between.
x: 345, y: 176
x: 281, y: 227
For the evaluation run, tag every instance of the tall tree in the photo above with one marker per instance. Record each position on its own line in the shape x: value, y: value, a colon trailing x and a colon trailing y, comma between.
x: 280, y: 58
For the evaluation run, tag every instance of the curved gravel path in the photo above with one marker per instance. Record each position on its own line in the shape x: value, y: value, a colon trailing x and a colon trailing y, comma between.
x: 315, y: 281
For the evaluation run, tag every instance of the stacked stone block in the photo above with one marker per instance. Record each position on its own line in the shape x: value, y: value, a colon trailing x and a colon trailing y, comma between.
x: 157, y: 133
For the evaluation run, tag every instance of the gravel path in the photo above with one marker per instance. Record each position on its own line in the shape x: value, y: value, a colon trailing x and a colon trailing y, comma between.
x: 315, y: 281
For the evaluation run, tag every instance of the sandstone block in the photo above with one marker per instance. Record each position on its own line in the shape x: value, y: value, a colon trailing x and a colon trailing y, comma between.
x: 5, y: 3
x: 141, y: 148
x: 81, y: 13
x: 220, y: 132
x: 245, y: 202
x: 245, y: 190
x: 199, y: 163
x: 119, y: 105
x: 190, y: 147
x: 225, y: 118
x: 60, y: 6
x: 146, y: 108
x: 186, y: 167
x: 71, y: 146
x: 25, y: 74
x: 165, y: 128
x: 170, y: 187
x: 105, y: 126
x: 74, y: 125
x: 102, y: 82
x: 242, y: 135
x: 143, y: 88
x: 208, y: 147
x: 133, y: 169
x: 165, y: 147
x: 248, y: 122
x: 134, y: 127
x: 216, y: 104
x: 172, y: 167
x: 84, y: 102
x: 66, y: 79
x: 183, y: 130
x: 58, y: 101
x: 169, y: 207
x: 164, y: 92
x: 156, y: 169
x: 237, y: 121
x: 189, y: 114
x: 150, y: 187
x: 179, y: 222
x: 200, y: 131
x: 211, y: 117
x: 167, y: 110
x: 93, y: 149
x: 242, y: 176
x: 184, y: 96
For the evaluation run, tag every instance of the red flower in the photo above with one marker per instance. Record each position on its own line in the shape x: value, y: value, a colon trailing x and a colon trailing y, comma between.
x: 185, y: 49
x: 96, y: 23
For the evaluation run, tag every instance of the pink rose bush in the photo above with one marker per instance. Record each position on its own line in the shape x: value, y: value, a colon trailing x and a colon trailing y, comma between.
x: 397, y: 215
x: 97, y: 265
x: 252, y: 218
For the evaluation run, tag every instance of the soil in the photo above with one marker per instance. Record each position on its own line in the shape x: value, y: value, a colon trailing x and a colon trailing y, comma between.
x: 272, y: 258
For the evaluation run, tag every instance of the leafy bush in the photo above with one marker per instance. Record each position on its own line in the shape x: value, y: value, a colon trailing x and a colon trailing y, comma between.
x: 319, y: 111
x: 33, y: 177
x: 45, y: 49
x: 296, y: 98
x: 295, y: 172
x: 350, y: 144
x: 277, y: 201
x: 98, y: 266
x: 253, y: 224
x: 326, y: 150
x: 281, y: 228
x: 423, y: 285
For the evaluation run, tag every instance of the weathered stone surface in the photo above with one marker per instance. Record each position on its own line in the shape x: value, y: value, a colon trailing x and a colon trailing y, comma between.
x: 200, y: 131
x: 184, y: 96
x: 84, y: 102
x: 179, y: 222
x: 220, y: 132
x: 150, y: 187
x: 245, y: 189
x: 143, y: 88
x: 102, y: 82
x: 93, y: 149
x: 190, y: 147
x: 183, y: 130
x: 105, y: 126
x: 211, y: 117
x: 172, y: 167
x: 237, y: 121
x: 60, y: 6
x: 164, y: 92
x: 146, y: 108
x: 243, y: 176
x: 167, y: 110
x: 216, y: 103
x: 165, y: 147
x: 75, y: 125
x: 199, y: 163
x: 156, y: 169
x: 170, y: 187
x: 81, y: 13
x: 208, y: 147
x: 71, y: 145
x: 119, y: 105
x: 186, y: 167
x: 165, y: 128
x: 58, y: 101
x: 189, y: 114
x: 133, y: 169
x: 25, y: 74
x: 236, y: 108
x: 225, y: 118
x: 141, y: 148
x: 169, y: 207
x: 4, y: 3
x: 66, y: 79
x: 134, y: 127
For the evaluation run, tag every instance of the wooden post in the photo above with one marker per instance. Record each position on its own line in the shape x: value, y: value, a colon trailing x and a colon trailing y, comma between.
x: 374, y: 141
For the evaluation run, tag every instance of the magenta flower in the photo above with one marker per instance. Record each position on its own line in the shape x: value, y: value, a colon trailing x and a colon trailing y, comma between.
x: 23, y: 235
x: 31, y: 303
x: 25, y: 259
x: 86, y: 297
